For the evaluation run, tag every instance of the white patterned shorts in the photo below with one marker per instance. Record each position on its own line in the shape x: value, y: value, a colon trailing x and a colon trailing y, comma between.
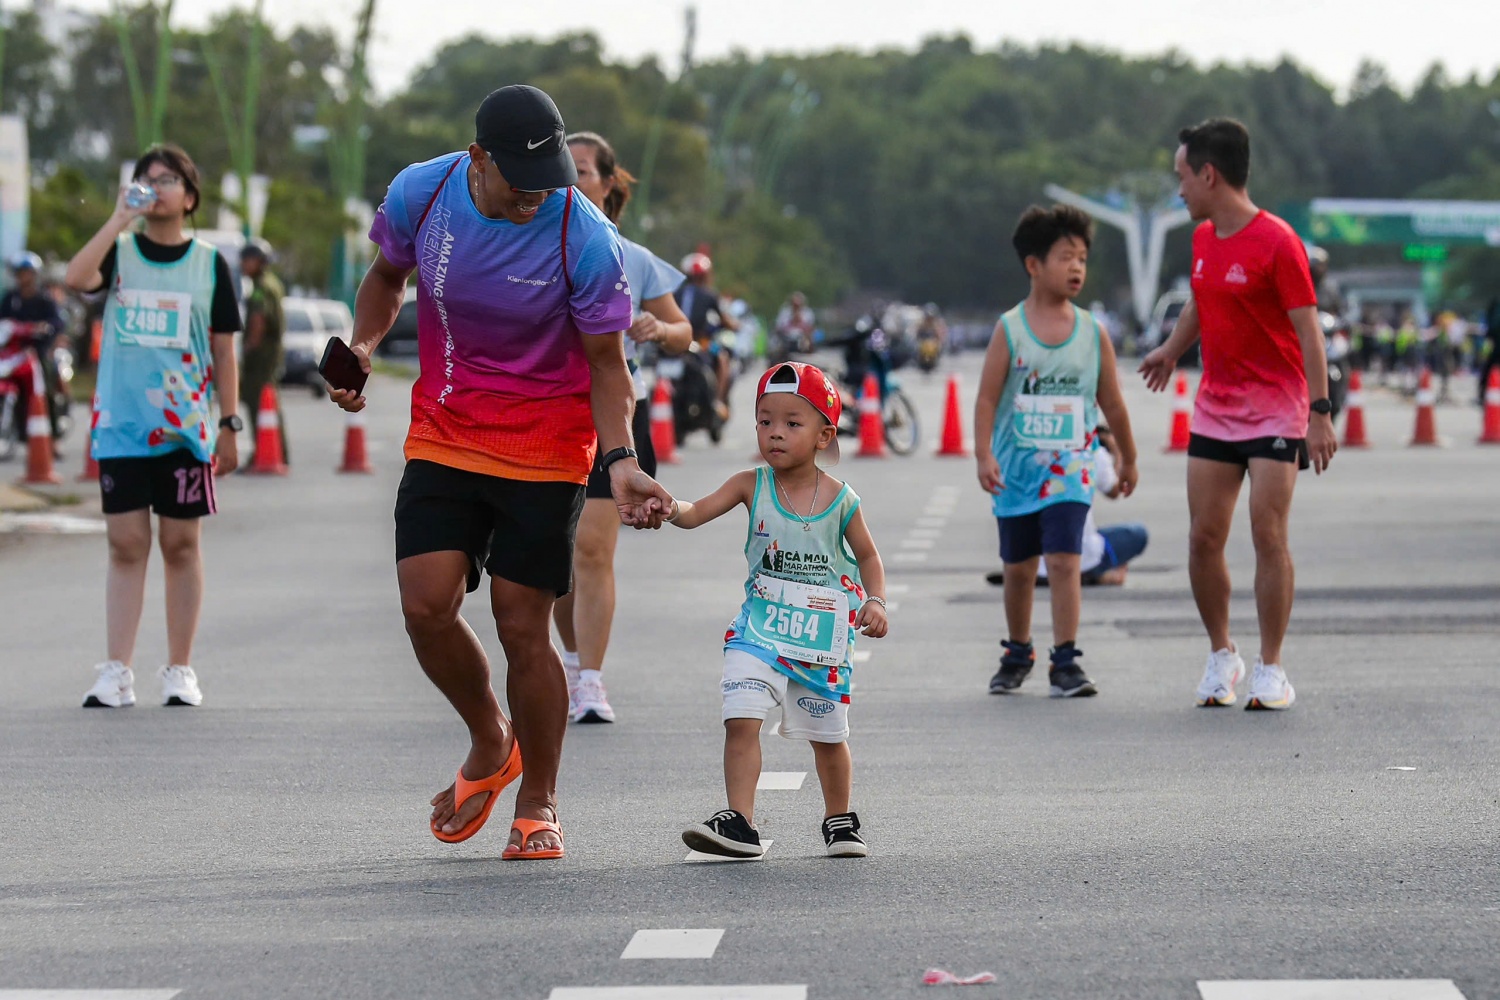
x: 752, y: 690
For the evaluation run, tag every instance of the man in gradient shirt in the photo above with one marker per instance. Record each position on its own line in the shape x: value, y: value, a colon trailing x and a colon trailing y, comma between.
x: 522, y: 302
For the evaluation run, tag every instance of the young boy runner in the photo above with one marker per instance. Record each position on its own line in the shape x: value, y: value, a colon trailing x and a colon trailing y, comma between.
x: 1049, y: 370
x: 815, y: 578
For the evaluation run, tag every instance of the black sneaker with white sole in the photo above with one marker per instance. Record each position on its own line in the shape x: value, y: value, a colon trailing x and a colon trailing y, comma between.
x: 841, y: 836
x: 1015, y: 663
x: 1067, y: 677
x: 726, y: 833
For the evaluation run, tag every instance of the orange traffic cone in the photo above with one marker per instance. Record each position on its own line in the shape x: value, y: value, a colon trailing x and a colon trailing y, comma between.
x: 663, y: 424
x: 1425, y: 432
x: 90, y: 473
x: 871, y: 426
x: 1354, y: 423
x: 1491, y: 432
x: 356, y: 458
x: 1182, y: 409
x: 953, y: 423
x: 268, y: 453
x: 39, y: 468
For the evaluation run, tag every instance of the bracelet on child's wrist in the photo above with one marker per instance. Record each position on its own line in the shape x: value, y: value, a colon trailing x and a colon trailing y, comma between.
x: 872, y: 599
x: 676, y: 511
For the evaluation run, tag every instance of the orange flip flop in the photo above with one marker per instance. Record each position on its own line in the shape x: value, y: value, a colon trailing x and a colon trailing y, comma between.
x: 464, y: 790
x: 529, y: 828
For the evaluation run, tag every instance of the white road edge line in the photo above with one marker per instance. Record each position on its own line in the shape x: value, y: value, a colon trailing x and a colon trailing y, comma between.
x: 673, y: 943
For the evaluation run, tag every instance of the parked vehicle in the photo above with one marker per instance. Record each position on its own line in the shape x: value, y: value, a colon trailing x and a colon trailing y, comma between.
x: 401, y: 342
x: 310, y: 324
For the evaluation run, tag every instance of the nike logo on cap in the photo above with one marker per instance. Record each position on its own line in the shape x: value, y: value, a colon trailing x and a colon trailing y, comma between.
x: 539, y: 142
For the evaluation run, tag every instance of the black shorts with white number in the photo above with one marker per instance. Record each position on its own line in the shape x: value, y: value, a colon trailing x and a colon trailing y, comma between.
x: 177, y: 484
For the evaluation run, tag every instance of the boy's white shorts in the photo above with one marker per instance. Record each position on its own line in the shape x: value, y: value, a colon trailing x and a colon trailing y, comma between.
x: 752, y: 690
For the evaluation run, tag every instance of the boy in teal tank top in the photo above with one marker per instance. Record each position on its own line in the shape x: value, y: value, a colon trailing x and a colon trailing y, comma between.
x: 815, y: 580
x: 1049, y: 372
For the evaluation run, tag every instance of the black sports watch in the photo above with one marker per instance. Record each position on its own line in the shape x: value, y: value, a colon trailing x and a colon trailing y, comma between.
x: 232, y: 422
x: 1323, y: 406
x: 612, y: 457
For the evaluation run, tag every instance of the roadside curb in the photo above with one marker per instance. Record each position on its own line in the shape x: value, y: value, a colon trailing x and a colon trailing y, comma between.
x: 21, y: 499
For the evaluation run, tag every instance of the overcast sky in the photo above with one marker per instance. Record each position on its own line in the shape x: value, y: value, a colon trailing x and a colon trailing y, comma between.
x: 1328, y: 36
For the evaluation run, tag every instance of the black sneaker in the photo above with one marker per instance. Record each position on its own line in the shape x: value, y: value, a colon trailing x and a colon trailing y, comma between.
x: 726, y: 833
x: 1015, y: 664
x: 1067, y: 677
x: 841, y: 836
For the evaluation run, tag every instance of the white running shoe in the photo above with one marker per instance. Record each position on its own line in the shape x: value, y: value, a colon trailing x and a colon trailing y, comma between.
x: 592, y: 704
x: 1269, y: 688
x: 1222, y: 673
x: 115, y: 687
x: 572, y: 675
x: 179, y: 686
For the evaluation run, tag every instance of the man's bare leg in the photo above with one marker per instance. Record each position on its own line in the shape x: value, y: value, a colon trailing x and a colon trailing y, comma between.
x: 537, y: 692
x: 1213, y: 488
x: 1271, y: 486
x: 432, y: 594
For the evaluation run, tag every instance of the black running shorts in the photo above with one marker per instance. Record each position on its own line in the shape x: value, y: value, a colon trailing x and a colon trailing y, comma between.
x: 640, y: 428
x: 177, y: 484
x: 1278, y: 449
x: 519, y: 531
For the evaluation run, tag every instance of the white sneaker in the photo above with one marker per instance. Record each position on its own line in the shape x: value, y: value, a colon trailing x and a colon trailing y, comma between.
x: 1269, y: 688
x: 592, y: 704
x: 179, y: 686
x: 115, y: 687
x: 1222, y: 673
x: 572, y: 676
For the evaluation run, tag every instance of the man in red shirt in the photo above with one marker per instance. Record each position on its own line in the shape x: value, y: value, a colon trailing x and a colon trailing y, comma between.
x: 1255, y: 308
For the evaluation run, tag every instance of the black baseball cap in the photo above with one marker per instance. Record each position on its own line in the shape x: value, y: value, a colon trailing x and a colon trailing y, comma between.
x: 523, y: 132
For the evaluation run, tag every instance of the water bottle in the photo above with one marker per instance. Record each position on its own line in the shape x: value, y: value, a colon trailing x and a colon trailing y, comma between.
x: 139, y: 196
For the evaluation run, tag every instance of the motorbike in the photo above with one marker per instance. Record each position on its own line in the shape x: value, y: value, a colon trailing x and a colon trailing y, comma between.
x: 693, y: 382
x: 1337, y: 347
x: 27, y: 367
x: 929, y: 349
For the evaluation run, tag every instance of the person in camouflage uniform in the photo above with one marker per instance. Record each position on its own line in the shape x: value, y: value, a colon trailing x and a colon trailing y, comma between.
x: 264, y: 326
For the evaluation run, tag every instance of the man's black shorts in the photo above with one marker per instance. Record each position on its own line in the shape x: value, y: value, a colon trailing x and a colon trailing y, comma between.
x: 519, y: 531
x: 640, y: 429
x: 1278, y: 449
x: 177, y: 484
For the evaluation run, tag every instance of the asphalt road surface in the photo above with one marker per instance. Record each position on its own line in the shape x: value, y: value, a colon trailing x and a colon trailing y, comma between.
x: 274, y: 842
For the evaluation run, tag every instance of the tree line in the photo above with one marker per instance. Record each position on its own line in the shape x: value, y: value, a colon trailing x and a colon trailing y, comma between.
x: 898, y: 172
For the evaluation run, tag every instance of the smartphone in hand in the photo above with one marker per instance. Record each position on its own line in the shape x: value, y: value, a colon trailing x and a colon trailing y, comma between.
x: 340, y: 367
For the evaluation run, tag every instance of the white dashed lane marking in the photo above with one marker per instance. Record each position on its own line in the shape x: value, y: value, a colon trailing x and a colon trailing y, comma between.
x: 925, y: 533
x: 917, y: 543
x: 898, y: 588
x: 932, y: 522
x: 698, y: 858
x: 673, y: 944
x: 679, y: 993
x: 1329, y: 989
x: 909, y: 557
x: 88, y: 994
x: 862, y: 655
x: 780, y: 781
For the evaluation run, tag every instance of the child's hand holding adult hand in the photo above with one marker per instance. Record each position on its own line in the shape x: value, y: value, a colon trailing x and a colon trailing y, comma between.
x: 872, y: 620
x: 989, y: 473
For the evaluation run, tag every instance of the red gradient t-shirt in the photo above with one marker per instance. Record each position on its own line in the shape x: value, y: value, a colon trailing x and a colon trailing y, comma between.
x: 1254, y: 384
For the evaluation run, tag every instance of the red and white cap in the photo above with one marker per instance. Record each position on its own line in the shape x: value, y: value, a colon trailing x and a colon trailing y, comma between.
x: 812, y: 384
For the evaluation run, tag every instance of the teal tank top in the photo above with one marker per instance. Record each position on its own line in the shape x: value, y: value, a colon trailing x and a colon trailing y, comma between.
x: 155, y: 381
x: 1046, y: 424
x: 803, y: 591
